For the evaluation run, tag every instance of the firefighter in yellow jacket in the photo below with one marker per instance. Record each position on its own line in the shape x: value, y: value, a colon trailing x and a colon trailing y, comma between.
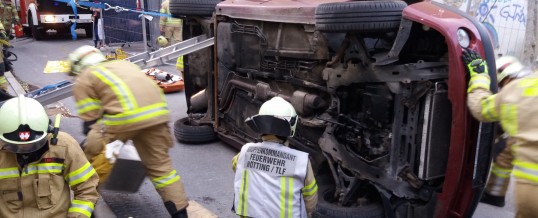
x: 39, y: 166
x: 4, y: 41
x: 171, y: 27
x: 515, y: 107
x: 271, y: 179
x: 508, y: 69
x: 118, y: 102
x: 9, y: 16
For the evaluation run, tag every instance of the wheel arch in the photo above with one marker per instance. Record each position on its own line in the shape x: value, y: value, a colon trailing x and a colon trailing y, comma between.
x: 32, y: 9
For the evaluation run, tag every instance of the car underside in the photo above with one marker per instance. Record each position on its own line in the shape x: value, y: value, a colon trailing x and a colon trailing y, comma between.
x: 372, y: 89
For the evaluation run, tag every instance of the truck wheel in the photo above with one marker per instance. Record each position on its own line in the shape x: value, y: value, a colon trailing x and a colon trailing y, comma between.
x: 187, y: 133
x: 36, y: 33
x: 89, y: 31
x: 364, y: 16
x: 27, y: 31
x: 204, y: 8
x: 326, y: 209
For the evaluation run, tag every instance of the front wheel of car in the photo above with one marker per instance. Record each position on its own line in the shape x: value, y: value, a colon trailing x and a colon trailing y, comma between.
x: 187, y: 133
x: 363, y: 16
x: 203, y: 8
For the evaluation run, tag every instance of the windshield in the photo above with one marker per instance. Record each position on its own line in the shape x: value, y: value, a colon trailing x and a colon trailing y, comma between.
x: 55, y: 7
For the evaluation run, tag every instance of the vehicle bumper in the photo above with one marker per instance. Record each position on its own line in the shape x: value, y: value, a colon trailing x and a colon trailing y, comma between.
x: 64, y: 18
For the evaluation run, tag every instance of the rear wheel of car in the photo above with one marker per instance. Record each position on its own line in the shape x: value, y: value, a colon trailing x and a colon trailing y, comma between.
x: 190, y: 134
x: 364, y: 16
x: 327, y: 209
x: 204, y: 8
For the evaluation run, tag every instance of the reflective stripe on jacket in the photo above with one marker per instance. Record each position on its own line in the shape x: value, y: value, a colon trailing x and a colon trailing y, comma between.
x: 121, y: 96
x: 179, y: 63
x: 515, y: 107
x: 42, y: 189
x: 270, y: 181
x: 168, y: 21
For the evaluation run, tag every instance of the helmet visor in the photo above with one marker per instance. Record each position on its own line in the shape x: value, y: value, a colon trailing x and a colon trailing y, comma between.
x: 268, y: 124
x: 24, y: 148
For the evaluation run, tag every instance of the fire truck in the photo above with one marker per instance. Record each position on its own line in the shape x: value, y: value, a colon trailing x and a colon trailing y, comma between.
x: 39, y: 16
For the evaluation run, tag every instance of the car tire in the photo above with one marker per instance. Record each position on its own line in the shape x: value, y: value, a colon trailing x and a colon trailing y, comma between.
x: 190, y: 134
x: 326, y: 209
x: 36, y: 33
x: 203, y: 8
x: 363, y: 16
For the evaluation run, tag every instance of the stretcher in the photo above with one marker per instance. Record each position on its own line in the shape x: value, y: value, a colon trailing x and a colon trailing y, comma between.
x: 167, y: 81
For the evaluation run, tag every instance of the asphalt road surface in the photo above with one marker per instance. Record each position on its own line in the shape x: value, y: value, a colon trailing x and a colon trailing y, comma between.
x: 204, y: 169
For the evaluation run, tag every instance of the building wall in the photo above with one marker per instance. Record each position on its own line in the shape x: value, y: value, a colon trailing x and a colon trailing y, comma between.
x: 512, y: 24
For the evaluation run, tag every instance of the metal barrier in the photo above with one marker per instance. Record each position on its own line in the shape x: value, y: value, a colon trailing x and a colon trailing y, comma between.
x: 126, y: 27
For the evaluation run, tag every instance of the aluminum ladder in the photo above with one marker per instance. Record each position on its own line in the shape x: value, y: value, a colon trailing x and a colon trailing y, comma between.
x: 172, y: 52
x: 50, y: 93
x: 61, y: 90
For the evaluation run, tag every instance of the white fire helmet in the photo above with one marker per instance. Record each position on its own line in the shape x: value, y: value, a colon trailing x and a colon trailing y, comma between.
x: 275, y: 117
x: 162, y: 41
x: 83, y: 57
x: 25, y: 125
x: 508, y: 67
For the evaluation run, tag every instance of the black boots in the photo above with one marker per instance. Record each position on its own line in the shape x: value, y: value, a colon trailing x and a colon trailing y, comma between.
x: 497, y: 201
x: 171, y: 207
x: 181, y: 214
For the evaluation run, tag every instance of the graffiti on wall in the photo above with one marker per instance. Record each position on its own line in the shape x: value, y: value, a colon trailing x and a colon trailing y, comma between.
x: 504, y: 19
x: 507, y: 10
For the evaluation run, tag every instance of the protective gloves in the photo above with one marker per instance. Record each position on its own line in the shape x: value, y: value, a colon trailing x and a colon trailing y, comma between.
x: 4, y: 39
x: 3, y: 35
x: 112, y: 150
x: 474, y: 62
x: 86, y: 126
x: 118, y: 149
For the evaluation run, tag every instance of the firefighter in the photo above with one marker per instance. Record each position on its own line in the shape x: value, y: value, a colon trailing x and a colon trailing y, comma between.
x: 4, y: 41
x: 514, y: 107
x: 507, y: 68
x: 9, y: 16
x: 118, y: 102
x: 171, y: 27
x: 173, y: 31
x: 272, y: 179
x: 40, y: 166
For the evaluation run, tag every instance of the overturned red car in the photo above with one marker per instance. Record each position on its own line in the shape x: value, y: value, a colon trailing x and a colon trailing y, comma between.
x: 379, y: 86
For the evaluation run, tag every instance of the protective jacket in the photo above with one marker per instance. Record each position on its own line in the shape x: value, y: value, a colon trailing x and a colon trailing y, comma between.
x: 168, y: 21
x: 9, y: 15
x: 501, y: 169
x: 273, y: 180
x: 42, y: 187
x: 120, y: 96
x: 515, y: 107
x: 3, y: 41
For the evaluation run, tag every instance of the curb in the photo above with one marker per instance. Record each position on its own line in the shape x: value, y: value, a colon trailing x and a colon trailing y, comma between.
x: 15, y: 87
